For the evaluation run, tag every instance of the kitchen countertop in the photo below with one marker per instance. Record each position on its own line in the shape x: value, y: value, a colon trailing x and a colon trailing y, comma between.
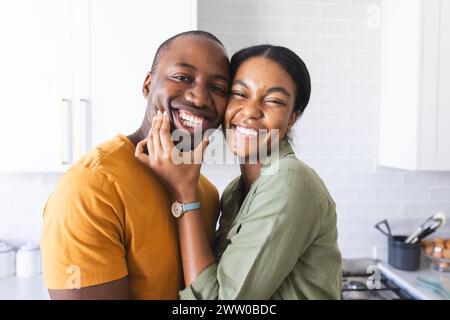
x: 407, y: 279
x: 32, y: 288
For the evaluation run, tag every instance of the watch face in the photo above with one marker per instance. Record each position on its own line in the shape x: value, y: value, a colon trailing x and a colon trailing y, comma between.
x: 177, y: 209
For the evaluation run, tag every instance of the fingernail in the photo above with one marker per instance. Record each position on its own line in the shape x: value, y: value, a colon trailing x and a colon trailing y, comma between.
x: 159, y: 113
x: 165, y: 113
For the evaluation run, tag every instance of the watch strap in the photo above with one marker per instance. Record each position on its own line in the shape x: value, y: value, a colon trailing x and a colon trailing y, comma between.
x: 190, y: 206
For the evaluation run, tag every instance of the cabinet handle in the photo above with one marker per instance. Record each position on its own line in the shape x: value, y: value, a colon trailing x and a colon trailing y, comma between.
x: 83, y: 126
x: 66, y: 131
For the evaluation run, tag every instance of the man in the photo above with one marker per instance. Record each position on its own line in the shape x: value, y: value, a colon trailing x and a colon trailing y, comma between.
x: 108, y: 232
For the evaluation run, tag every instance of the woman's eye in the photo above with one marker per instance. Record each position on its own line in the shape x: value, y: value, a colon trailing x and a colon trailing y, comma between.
x: 238, y: 94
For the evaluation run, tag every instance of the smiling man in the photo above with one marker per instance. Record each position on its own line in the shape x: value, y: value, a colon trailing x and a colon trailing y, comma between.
x: 108, y: 232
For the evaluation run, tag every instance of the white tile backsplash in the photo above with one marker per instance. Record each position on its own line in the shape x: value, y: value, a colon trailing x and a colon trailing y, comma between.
x: 340, y: 42
x: 22, y: 199
x: 289, y: 9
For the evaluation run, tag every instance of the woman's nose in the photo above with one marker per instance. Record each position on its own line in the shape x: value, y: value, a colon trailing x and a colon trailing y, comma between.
x: 252, y: 110
x: 198, y: 95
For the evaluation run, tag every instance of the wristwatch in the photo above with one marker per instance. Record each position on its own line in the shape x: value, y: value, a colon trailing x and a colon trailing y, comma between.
x: 178, y: 208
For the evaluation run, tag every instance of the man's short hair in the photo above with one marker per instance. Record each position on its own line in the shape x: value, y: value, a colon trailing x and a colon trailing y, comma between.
x: 166, y: 44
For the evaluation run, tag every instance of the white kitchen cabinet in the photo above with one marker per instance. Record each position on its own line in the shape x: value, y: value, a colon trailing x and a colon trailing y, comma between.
x: 30, y: 107
x: 415, y: 85
x: 72, y: 73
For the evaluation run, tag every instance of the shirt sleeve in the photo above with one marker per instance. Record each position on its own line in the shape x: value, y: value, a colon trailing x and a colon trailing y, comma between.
x: 282, y: 221
x: 210, y: 205
x: 82, y: 239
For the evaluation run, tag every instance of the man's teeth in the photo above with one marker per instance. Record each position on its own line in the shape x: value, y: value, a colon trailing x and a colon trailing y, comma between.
x: 247, y: 131
x: 190, y: 120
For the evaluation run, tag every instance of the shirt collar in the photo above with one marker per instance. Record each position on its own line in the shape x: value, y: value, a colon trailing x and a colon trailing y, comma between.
x: 284, y: 150
x: 268, y: 167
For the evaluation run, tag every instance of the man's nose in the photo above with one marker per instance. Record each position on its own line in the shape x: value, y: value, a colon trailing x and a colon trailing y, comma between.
x: 198, y: 95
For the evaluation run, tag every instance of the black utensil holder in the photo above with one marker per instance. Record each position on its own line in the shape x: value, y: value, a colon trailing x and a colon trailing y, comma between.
x: 403, y: 256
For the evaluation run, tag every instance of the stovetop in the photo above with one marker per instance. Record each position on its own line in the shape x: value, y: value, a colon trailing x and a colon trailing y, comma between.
x: 362, y: 280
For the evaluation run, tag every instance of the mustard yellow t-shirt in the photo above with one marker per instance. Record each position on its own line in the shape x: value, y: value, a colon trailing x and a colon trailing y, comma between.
x: 109, y: 217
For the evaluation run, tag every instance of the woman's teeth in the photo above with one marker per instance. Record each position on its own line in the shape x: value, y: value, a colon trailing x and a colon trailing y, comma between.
x: 190, y: 120
x: 247, y: 131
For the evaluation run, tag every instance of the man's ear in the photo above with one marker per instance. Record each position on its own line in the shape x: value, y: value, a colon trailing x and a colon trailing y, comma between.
x: 146, y: 85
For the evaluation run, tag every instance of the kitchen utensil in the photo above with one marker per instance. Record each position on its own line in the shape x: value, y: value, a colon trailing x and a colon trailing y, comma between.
x: 432, y: 223
x: 7, y: 257
x: 435, y: 285
x: 403, y: 256
x: 28, y: 261
x: 384, y: 223
x: 425, y: 233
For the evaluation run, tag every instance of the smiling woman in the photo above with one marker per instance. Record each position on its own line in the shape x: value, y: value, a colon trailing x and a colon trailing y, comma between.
x: 261, y: 102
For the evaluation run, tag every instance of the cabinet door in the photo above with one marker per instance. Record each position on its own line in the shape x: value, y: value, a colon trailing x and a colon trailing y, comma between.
x: 435, y: 115
x: 400, y: 88
x: 34, y: 131
x: 124, y: 36
x: 415, y: 77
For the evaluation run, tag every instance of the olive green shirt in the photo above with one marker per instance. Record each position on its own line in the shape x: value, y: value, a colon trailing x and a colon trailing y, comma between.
x: 279, y: 242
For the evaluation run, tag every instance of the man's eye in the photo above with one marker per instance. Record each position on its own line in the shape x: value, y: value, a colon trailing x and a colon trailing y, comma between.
x: 183, y: 78
x: 220, y: 90
x: 274, y: 101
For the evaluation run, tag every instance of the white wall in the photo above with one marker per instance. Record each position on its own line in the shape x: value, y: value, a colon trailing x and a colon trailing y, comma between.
x: 340, y: 42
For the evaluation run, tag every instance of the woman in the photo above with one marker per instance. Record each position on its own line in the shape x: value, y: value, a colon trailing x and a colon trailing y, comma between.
x: 277, y: 237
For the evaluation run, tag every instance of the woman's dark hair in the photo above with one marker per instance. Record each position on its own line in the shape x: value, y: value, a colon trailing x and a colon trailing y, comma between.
x: 288, y: 60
